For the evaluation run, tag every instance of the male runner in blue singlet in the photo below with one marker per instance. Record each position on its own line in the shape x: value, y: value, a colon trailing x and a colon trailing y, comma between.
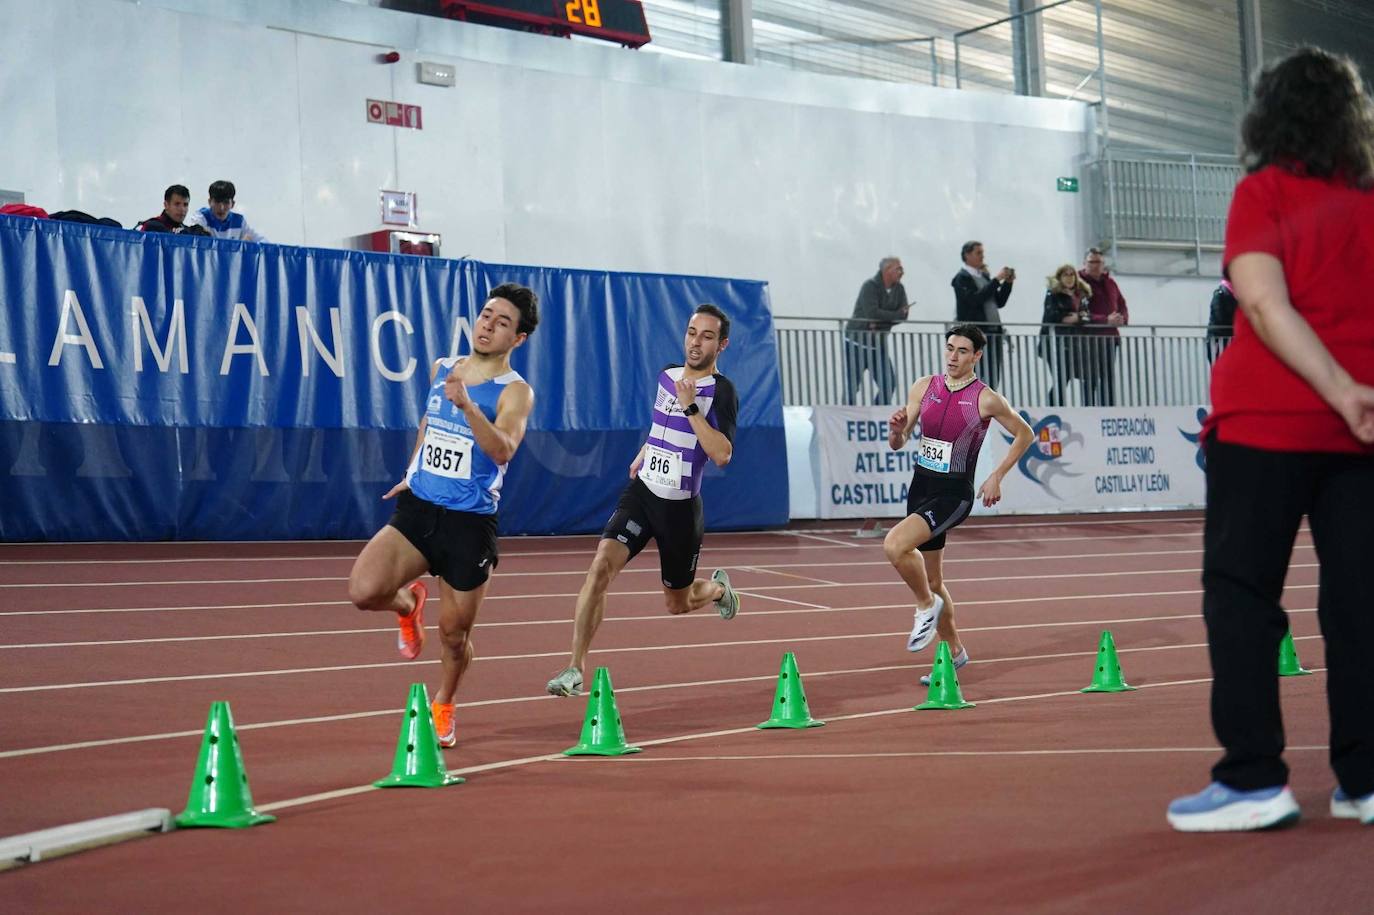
x: 445, y: 520
x: 694, y: 420
x: 953, y: 410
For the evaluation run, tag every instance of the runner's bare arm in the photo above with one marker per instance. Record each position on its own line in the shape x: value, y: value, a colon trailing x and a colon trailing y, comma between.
x: 638, y: 461
x: 500, y: 439
x: 717, y: 447
x: 995, y: 406
x: 904, y: 419
x: 419, y: 437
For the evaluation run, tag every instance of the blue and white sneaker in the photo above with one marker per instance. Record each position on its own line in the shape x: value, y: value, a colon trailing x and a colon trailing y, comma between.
x: 923, y: 632
x: 1345, y: 807
x: 960, y: 660
x: 1218, y: 808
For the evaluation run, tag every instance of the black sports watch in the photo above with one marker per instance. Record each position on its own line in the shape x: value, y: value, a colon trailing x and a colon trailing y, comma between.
x: 692, y: 409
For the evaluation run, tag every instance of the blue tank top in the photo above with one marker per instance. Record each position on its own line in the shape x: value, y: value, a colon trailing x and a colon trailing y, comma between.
x: 450, y: 469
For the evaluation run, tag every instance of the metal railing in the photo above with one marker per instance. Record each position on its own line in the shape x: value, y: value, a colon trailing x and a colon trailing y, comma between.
x: 1148, y: 365
x: 1179, y: 199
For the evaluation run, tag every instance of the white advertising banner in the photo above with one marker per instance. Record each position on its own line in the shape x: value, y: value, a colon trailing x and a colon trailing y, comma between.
x: 1082, y: 459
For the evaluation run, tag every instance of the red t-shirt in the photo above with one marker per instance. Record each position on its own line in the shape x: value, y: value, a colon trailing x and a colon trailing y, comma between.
x: 1322, y: 232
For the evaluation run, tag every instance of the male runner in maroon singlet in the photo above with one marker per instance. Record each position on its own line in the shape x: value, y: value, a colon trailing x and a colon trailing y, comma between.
x: 953, y: 410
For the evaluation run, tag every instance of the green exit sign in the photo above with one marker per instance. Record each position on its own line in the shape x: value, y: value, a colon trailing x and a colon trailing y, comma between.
x: 1067, y: 184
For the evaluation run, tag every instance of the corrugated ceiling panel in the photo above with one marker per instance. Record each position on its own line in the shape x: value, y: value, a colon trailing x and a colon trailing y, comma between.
x: 1173, y: 66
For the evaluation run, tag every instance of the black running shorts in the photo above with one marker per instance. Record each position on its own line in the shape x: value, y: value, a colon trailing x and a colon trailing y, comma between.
x: 676, y: 525
x: 460, y: 547
x: 944, y: 504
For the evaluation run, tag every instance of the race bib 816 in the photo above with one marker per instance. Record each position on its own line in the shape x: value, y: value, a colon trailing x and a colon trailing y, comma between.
x: 662, y: 467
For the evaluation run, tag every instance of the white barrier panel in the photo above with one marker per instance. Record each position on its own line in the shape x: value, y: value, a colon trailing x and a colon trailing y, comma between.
x: 1083, y: 459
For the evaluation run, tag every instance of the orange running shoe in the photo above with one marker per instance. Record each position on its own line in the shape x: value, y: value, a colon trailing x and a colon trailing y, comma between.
x: 443, y: 723
x: 411, y: 639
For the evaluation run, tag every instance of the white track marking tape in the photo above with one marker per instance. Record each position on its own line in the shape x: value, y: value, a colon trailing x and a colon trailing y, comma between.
x: 57, y: 585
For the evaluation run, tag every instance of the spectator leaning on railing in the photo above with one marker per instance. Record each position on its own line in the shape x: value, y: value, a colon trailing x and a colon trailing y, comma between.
x: 881, y: 304
x: 175, y: 201
x: 219, y: 217
x: 1108, y: 312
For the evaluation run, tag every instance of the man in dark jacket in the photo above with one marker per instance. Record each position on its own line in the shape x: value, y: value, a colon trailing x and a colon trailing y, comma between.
x: 176, y: 200
x: 1221, y: 319
x: 881, y: 304
x: 1108, y: 313
x: 978, y: 297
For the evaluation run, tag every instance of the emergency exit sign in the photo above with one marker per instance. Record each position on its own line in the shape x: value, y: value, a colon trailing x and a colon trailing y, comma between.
x: 1067, y: 184
x: 394, y: 114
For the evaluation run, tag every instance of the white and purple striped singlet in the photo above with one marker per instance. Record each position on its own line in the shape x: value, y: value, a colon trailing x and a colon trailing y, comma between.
x: 673, y: 458
x: 952, y: 430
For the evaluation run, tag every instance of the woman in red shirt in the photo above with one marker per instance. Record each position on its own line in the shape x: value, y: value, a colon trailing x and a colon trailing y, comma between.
x: 1291, y: 433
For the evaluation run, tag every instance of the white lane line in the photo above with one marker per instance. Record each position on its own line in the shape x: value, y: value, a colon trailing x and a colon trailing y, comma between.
x: 950, y: 561
x: 844, y: 543
x: 772, y: 570
x: 708, y: 551
x: 663, y: 741
x: 772, y: 597
x: 925, y: 754
x: 907, y: 604
x: 954, y: 561
x: 1109, y: 573
x: 979, y: 523
x: 541, y: 554
x: 743, y: 643
x: 728, y: 681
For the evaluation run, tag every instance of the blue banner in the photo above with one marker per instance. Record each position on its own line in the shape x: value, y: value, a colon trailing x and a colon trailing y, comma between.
x: 160, y: 386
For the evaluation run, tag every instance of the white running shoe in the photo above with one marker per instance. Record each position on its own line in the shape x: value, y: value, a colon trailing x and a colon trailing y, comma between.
x: 1346, y: 807
x: 567, y: 682
x: 923, y: 633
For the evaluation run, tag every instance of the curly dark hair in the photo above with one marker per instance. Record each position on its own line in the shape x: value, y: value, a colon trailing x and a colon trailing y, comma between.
x: 1310, y: 115
x: 525, y: 300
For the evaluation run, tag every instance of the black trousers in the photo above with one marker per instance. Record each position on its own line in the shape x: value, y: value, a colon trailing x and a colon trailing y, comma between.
x: 1099, y: 378
x: 994, y: 354
x: 1255, y: 502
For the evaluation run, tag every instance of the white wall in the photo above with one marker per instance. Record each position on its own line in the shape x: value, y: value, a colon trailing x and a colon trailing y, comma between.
x: 547, y: 151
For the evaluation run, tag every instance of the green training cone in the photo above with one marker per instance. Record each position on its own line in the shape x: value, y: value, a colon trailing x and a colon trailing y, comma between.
x: 1289, y: 665
x: 789, y: 700
x: 419, y: 759
x: 944, y: 690
x: 1107, y: 677
x: 602, y: 734
x: 219, y: 794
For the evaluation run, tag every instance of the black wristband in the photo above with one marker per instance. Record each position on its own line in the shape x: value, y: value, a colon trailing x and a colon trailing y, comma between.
x: 692, y: 409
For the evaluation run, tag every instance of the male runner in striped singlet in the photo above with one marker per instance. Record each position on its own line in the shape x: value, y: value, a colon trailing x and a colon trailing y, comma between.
x: 953, y: 411
x: 694, y: 419
x: 445, y: 521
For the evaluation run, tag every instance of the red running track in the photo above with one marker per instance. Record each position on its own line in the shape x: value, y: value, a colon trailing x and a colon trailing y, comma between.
x: 1041, y: 798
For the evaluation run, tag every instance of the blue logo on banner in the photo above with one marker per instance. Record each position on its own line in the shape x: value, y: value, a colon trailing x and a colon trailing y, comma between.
x: 1196, y: 439
x: 1044, y: 459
